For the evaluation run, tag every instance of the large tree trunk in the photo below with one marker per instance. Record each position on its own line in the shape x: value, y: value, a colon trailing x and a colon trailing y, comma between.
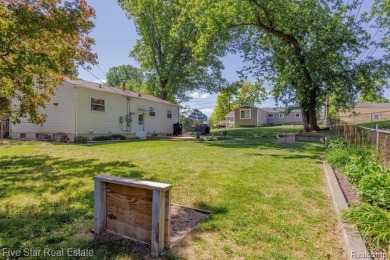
x: 309, y: 112
x: 163, y: 86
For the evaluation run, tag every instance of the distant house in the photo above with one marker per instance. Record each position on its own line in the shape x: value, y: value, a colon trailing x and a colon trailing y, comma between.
x: 89, y: 109
x: 367, y: 112
x: 191, y: 118
x: 253, y: 116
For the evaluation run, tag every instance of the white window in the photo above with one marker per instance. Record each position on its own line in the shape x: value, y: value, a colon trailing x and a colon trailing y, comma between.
x: 152, y: 111
x: 297, y: 115
x: 245, y: 114
x: 270, y: 115
x: 169, y: 114
x: 98, y: 104
x: 281, y: 115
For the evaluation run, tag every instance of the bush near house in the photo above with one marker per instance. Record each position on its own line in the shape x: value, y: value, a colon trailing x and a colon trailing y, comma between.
x: 109, y: 137
x: 373, y: 183
x: 79, y: 139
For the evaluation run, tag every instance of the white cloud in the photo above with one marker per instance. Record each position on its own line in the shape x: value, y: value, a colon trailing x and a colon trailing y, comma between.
x: 195, y: 95
x: 203, y: 96
x: 207, y: 111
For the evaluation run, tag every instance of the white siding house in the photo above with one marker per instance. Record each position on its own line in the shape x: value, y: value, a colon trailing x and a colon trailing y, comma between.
x: 90, y: 109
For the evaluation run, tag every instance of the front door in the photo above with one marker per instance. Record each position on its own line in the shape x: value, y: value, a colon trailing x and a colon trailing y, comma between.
x: 141, y: 122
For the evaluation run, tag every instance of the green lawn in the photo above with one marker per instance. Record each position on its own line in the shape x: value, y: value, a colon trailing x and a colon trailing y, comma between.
x: 267, y: 131
x: 382, y: 124
x: 269, y: 201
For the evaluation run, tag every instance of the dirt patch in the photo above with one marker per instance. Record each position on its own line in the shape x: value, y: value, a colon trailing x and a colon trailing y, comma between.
x: 349, y: 191
x: 183, y: 220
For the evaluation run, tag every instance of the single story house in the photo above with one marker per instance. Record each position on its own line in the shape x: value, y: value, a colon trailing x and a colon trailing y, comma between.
x: 253, y: 116
x: 366, y: 112
x: 90, y: 109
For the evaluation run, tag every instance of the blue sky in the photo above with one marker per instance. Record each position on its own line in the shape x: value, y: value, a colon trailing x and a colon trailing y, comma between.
x: 115, y: 35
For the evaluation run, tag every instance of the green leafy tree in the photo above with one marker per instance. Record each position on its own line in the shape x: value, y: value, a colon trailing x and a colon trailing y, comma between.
x: 132, y: 77
x: 225, y: 104
x: 305, y: 49
x: 41, y: 42
x: 239, y: 93
x: 163, y: 49
x: 248, y: 94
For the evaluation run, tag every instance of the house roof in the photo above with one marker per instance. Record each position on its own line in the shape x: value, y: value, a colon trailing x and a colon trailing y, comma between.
x: 114, y: 90
x: 194, y: 114
x: 230, y: 114
x: 265, y: 109
x: 372, y: 105
x: 276, y: 109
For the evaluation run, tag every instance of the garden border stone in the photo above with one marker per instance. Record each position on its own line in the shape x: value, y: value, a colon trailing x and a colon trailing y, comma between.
x: 354, y: 246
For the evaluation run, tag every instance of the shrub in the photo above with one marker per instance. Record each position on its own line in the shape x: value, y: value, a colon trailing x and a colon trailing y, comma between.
x: 336, y: 142
x: 109, y: 137
x: 340, y: 157
x: 210, y: 138
x: 101, y: 138
x: 374, y: 187
x: 79, y: 139
x: 118, y: 137
x: 359, y: 165
x: 373, y: 224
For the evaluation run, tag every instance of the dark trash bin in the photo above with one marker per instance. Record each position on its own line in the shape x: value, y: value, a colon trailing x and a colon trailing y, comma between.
x: 204, y: 129
x: 177, y: 129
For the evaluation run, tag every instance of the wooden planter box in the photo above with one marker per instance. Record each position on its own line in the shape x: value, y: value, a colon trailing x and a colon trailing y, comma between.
x: 133, y: 208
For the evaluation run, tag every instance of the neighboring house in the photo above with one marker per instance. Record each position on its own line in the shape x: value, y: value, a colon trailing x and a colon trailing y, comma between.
x: 367, y: 112
x: 253, y: 116
x: 89, y: 109
x: 191, y: 118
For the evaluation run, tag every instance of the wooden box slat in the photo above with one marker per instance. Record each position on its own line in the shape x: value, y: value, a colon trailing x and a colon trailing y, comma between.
x: 128, y: 230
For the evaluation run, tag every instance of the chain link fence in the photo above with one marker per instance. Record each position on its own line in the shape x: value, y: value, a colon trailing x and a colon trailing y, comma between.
x: 364, y: 137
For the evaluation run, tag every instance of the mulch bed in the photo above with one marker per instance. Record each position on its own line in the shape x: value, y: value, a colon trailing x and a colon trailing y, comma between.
x: 349, y: 191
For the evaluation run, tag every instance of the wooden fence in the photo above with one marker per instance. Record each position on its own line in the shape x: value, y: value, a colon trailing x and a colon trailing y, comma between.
x: 364, y: 137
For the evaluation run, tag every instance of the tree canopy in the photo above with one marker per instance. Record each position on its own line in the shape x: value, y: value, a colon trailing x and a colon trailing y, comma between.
x: 164, y: 49
x: 239, y: 93
x: 131, y: 76
x: 305, y: 49
x: 41, y: 42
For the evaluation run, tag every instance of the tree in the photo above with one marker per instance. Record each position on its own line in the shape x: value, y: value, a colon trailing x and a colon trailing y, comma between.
x: 132, y: 77
x: 248, y: 94
x: 41, y: 42
x: 163, y: 49
x: 305, y: 49
x: 239, y: 93
x: 223, y: 105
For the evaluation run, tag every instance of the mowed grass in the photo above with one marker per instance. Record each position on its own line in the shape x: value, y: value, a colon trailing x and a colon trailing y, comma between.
x: 269, y: 201
x: 381, y: 124
x: 263, y: 131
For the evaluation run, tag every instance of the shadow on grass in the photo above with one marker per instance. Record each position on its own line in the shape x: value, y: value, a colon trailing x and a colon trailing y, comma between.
x: 266, y: 143
x: 47, y: 202
x: 39, y: 174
